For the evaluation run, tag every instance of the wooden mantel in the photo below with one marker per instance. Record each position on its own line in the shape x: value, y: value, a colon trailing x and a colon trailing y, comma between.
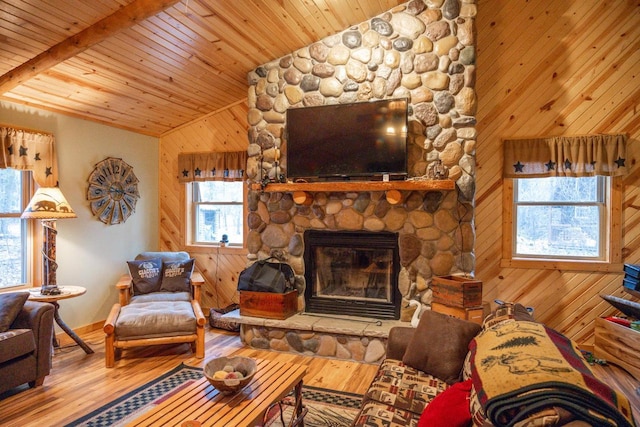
x: 424, y: 185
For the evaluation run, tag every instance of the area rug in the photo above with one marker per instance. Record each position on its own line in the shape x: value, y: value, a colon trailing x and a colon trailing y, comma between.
x: 326, y: 408
x: 120, y: 411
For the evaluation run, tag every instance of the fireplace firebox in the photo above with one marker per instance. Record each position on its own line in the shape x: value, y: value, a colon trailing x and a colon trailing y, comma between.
x: 352, y: 273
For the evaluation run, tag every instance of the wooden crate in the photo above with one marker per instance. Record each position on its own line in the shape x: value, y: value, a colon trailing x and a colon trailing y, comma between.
x: 472, y: 314
x: 269, y: 305
x: 619, y: 345
x: 456, y: 291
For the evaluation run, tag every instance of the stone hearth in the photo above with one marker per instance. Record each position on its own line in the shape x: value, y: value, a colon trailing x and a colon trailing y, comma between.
x: 343, y: 337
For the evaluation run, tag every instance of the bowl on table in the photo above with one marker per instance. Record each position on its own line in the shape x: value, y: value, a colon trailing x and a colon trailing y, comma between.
x: 230, y: 374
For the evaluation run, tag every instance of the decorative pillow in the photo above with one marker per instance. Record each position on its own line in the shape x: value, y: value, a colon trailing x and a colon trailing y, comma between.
x: 10, y: 305
x: 146, y: 275
x: 439, y: 345
x: 450, y: 408
x: 176, y: 276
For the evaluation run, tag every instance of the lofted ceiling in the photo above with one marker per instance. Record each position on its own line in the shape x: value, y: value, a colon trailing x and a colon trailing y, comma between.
x: 151, y: 66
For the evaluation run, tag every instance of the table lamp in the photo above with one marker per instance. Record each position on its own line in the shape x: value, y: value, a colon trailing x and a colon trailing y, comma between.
x: 48, y: 204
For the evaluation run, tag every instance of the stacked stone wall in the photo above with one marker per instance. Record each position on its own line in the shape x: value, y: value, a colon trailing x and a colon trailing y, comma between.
x: 424, y: 51
x: 310, y: 343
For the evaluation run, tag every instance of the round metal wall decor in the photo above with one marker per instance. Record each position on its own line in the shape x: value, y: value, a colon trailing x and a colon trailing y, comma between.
x: 113, y: 191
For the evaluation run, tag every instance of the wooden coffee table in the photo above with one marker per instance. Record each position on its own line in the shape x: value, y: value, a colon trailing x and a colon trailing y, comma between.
x: 199, y: 404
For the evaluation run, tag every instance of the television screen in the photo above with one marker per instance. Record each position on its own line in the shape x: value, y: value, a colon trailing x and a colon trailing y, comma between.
x: 365, y: 140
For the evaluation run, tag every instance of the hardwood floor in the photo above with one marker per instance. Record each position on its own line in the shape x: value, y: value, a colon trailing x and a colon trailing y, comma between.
x: 79, y: 383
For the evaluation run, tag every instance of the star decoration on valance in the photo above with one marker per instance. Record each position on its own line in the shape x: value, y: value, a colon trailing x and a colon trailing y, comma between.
x: 519, y: 167
x: 209, y: 166
x: 30, y: 151
x: 571, y: 156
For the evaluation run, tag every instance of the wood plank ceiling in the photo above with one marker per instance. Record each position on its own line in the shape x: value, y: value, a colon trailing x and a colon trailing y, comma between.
x: 151, y: 66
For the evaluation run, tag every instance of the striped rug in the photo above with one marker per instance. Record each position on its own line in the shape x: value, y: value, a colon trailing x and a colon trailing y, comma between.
x: 325, y: 407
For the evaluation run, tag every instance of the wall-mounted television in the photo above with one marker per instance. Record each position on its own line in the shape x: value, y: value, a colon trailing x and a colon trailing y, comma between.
x: 362, y: 141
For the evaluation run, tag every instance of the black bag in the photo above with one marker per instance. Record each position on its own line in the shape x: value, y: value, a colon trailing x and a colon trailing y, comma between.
x: 265, y: 276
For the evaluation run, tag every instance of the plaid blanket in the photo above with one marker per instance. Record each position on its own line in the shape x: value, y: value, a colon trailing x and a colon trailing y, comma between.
x: 521, y: 369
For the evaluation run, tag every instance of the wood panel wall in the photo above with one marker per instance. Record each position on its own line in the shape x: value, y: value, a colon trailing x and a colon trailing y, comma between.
x: 224, y: 130
x: 554, y: 68
x: 544, y: 68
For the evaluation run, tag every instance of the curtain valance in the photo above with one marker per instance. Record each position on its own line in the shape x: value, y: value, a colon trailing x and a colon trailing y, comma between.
x: 584, y: 155
x: 212, y: 166
x: 30, y: 150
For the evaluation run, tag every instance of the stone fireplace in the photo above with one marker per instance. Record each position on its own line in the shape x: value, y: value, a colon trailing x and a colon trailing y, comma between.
x: 422, y: 51
x: 352, y: 273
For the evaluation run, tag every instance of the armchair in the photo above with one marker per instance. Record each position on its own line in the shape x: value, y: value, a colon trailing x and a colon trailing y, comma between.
x: 163, y: 315
x: 26, y: 347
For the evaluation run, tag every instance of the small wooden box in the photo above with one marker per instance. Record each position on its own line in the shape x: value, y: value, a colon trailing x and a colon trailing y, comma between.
x: 619, y: 345
x: 269, y: 305
x: 472, y: 314
x: 456, y: 291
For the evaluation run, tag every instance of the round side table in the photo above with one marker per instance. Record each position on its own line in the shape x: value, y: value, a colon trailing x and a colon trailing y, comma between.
x: 66, y: 292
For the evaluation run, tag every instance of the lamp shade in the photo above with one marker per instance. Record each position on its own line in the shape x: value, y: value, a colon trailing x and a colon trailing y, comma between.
x: 48, y: 203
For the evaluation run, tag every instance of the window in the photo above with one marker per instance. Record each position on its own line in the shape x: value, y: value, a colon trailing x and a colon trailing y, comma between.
x: 15, y: 234
x: 217, y: 210
x: 560, y: 217
x: 572, y: 222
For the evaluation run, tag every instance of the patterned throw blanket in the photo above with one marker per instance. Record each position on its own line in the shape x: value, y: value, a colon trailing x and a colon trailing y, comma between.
x: 520, y: 369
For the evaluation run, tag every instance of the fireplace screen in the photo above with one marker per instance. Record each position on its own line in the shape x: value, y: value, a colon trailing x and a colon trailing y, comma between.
x: 352, y: 273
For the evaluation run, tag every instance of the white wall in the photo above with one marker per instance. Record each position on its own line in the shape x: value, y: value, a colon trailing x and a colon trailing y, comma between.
x: 89, y: 252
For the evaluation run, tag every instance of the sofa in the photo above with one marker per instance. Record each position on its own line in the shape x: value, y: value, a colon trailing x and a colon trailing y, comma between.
x: 26, y: 340
x: 509, y: 371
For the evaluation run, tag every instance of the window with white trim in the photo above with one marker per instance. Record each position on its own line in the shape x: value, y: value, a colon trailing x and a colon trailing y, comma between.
x: 563, y: 223
x: 561, y: 218
x: 562, y: 199
x: 16, y: 234
x: 217, y: 212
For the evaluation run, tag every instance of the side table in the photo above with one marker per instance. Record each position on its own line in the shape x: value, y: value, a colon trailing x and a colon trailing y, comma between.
x: 66, y: 292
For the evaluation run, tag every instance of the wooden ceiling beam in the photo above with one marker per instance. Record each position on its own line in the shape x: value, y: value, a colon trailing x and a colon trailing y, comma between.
x: 124, y: 18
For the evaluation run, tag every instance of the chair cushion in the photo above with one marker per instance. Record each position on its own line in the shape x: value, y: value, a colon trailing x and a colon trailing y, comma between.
x: 161, y: 297
x: 381, y: 415
x: 154, y: 320
x: 146, y: 275
x: 164, y: 255
x: 404, y: 387
x: 10, y: 305
x: 15, y: 343
x: 176, y: 275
